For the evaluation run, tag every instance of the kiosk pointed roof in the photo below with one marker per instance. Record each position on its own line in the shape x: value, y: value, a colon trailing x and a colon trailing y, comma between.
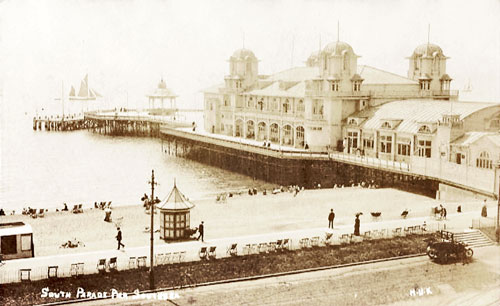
x: 175, y: 201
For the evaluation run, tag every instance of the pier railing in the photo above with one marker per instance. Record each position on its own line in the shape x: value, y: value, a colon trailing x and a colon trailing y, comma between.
x: 137, y: 117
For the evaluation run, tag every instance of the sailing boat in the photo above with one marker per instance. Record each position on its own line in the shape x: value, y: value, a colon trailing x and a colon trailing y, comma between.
x: 85, y: 93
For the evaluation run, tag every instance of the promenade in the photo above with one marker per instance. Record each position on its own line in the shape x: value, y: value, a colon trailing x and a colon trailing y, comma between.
x: 86, y: 262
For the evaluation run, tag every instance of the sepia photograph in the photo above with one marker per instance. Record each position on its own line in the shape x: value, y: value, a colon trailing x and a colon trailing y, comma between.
x: 242, y: 152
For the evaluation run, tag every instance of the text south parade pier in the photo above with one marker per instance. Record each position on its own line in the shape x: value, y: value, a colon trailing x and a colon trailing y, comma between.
x: 276, y: 164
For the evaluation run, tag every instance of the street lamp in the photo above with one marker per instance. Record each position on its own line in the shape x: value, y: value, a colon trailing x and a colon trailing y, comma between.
x: 153, y: 202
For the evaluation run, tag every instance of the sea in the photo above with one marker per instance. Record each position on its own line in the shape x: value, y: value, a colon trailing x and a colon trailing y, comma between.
x: 44, y: 169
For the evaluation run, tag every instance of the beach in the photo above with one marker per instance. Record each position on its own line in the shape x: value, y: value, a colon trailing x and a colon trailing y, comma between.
x: 241, y: 215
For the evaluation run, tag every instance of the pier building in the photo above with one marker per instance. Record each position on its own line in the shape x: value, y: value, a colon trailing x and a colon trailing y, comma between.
x: 309, y: 105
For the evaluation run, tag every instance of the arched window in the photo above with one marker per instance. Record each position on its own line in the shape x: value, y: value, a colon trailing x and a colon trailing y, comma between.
x: 300, y: 106
x: 274, y: 133
x: 484, y: 161
x: 300, y: 136
x: 424, y: 129
x: 250, y: 129
x: 346, y: 62
x: 250, y: 102
x: 386, y: 125
x: 260, y: 104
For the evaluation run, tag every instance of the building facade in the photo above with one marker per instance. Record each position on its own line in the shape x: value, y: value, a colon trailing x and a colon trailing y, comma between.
x: 334, y: 104
x: 307, y: 105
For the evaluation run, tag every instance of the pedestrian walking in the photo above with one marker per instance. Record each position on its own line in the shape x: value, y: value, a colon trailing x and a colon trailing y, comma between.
x: 444, y: 213
x: 331, y: 216
x: 201, y: 230
x: 356, y: 226
x: 119, y: 238
x: 484, y: 210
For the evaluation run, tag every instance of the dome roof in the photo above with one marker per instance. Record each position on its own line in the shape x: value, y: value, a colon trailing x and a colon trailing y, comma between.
x: 338, y: 48
x: 162, y: 84
x: 428, y: 49
x: 243, y: 54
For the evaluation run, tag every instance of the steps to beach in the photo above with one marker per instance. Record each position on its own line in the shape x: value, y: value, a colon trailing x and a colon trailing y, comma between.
x: 473, y: 238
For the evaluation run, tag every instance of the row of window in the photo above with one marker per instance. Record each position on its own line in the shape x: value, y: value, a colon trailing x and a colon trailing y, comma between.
x: 403, y: 145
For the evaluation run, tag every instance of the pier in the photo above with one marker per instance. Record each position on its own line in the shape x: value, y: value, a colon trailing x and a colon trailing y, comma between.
x: 59, y: 123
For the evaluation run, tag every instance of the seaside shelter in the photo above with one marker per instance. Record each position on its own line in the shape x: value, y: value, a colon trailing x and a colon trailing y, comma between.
x: 174, y: 215
x: 16, y: 240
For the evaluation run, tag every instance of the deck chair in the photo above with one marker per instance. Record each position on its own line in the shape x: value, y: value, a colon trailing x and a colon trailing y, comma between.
x: 132, y: 263
x: 417, y: 229
x: 113, y: 264
x: 160, y: 259
x: 272, y: 246
x: 287, y: 244
x: 80, y: 208
x: 141, y: 262
x: 232, y: 250
x: 101, y: 265
x: 247, y: 249
x: 315, y: 241
x: 211, y: 252
x: 263, y: 247
x: 397, y: 232
x: 304, y: 243
x: 182, y: 256
x: 167, y: 258
x: 25, y: 275
x: 367, y: 235
x: 279, y: 244
x: 52, y: 271
x: 203, y: 253
x: 344, y: 239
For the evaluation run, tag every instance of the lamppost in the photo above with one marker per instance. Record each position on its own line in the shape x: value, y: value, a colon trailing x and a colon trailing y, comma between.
x: 153, y: 202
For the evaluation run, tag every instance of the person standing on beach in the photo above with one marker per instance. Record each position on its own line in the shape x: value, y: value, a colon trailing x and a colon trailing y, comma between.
x: 331, y: 216
x: 119, y: 238
x: 356, y: 226
x: 201, y: 230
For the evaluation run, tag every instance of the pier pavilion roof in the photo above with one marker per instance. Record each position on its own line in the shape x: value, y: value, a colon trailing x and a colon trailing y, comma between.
x: 175, y: 201
x: 162, y: 91
x: 413, y: 113
x: 471, y: 137
x: 300, y: 75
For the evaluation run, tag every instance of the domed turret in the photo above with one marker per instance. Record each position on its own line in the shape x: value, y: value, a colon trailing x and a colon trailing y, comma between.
x: 243, y: 54
x: 428, y: 50
x: 243, y: 69
x: 428, y: 67
x: 338, y: 48
x: 313, y: 59
x: 338, y: 58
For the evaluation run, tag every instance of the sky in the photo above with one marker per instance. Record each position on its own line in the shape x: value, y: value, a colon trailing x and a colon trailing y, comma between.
x: 126, y: 47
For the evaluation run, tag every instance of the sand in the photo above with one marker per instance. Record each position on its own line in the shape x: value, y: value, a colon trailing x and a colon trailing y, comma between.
x: 241, y: 215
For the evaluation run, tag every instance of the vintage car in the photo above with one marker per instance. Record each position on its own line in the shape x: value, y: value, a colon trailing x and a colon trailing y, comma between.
x: 443, y: 250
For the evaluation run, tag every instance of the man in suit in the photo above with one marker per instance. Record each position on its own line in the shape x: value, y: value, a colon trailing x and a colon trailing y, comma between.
x: 201, y: 231
x: 119, y: 239
x: 331, y: 216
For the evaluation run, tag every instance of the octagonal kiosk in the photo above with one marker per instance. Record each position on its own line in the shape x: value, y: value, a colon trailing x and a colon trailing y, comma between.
x: 174, y: 216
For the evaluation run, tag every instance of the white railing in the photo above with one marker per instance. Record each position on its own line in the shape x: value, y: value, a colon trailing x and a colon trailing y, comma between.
x: 371, y: 161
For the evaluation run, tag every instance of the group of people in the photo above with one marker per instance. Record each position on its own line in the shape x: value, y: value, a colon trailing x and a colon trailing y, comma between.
x: 101, y: 205
x: 357, y: 222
